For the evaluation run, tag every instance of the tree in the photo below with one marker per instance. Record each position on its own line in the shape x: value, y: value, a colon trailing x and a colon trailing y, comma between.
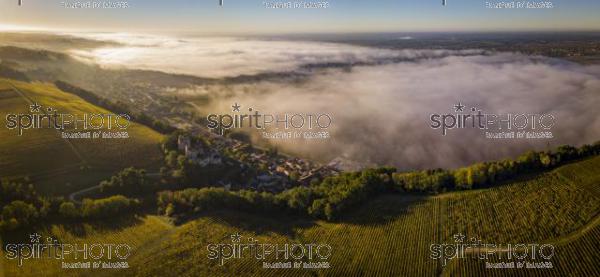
x: 529, y: 160
x: 170, y: 210
x: 19, y: 214
x: 546, y: 159
x: 298, y: 198
x: 477, y: 175
x: 11, y: 191
x: 107, y: 207
x: 461, y: 180
x: 171, y: 159
x: 129, y: 181
x: 68, y: 210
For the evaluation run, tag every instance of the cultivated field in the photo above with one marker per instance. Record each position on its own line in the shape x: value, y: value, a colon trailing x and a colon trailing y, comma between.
x: 389, y: 236
x: 136, y: 232
x: 57, y: 165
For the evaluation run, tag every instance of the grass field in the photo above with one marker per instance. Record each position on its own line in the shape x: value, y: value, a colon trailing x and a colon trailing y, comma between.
x: 389, y: 236
x: 57, y: 165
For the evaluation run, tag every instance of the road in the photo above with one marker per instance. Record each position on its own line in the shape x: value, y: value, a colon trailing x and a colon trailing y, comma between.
x: 73, y: 197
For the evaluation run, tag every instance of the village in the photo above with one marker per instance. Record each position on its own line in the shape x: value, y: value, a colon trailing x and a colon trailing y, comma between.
x: 269, y: 171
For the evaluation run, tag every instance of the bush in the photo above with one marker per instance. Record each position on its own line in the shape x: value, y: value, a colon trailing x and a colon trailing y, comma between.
x: 107, y: 207
x: 193, y: 201
x: 68, y: 210
x: 425, y: 181
x: 130, y: 181
x: 18, y: 214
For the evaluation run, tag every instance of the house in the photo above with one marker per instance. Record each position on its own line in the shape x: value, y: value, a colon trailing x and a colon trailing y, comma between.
x: 183, y: 143
x: 191, y: 154
x: 197, y: 154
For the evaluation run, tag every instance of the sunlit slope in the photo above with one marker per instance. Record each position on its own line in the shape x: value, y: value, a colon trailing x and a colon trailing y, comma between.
x: 135, y: 232
x: 30, y: 153
x: 576, y: 255
x: 59, y: 165
x: 389, y: 236
x: 392, y: 235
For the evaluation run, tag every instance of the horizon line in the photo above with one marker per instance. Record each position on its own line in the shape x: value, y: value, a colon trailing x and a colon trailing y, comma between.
x: 33, y: 29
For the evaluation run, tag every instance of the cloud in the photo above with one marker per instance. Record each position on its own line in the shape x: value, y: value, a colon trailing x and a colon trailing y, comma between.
x: 230, y: 57
x: 381, y: 113
x: 382, y: 103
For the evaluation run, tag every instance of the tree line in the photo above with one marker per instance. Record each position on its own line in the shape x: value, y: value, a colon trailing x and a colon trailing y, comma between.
x: 491, y: 173
x: 21, y: 207
x: 333, y: 196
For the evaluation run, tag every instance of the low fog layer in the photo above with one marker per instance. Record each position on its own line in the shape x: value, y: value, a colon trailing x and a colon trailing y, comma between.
x: 380, y: 99
x: 231, y: 57
x: 381, y: 113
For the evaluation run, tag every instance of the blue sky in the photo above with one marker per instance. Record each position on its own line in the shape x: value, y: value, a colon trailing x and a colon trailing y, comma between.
x: 250, y: 16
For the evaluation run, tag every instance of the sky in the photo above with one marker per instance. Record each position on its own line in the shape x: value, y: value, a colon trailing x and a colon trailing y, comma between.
x: 251, y: 16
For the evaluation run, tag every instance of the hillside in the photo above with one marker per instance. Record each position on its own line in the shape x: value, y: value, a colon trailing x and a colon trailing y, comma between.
x: 59, y: 166
x: 389, y: 236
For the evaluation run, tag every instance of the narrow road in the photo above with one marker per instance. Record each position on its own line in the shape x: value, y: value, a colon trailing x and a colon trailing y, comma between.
x: 73, y: 197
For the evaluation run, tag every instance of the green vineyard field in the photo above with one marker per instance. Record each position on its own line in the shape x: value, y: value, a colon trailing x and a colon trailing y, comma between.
x: 389, y: 236
x: 58, y: 166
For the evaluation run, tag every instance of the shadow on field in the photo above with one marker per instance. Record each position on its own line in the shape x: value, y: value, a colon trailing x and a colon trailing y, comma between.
x: 76, y: 229
x: 261, y: 223
x: 383, y: 209
x: 106, y: 225
x: 377, y: 211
